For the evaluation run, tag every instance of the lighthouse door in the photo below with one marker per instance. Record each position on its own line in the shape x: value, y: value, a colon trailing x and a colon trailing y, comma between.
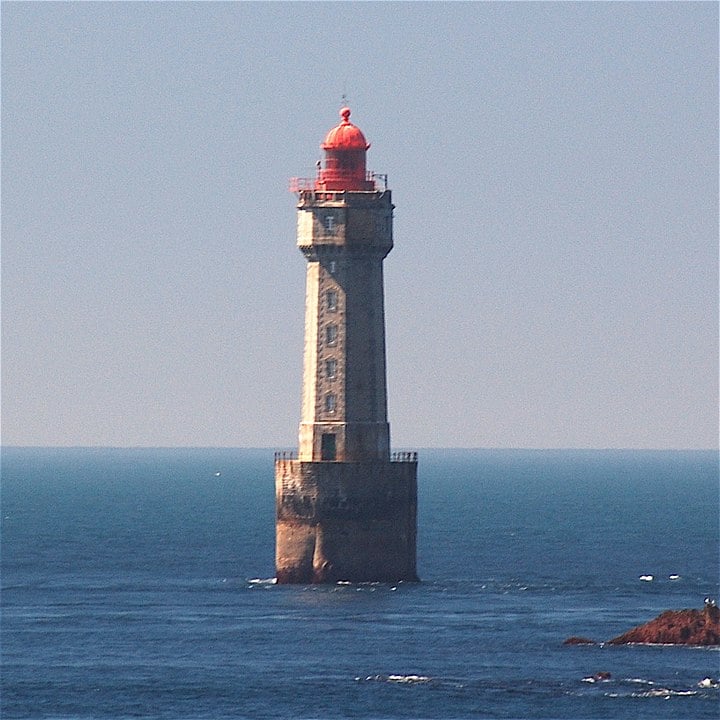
x: 327, y: 447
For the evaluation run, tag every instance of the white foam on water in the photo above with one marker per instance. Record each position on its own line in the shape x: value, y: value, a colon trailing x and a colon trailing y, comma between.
x: 596, y: 679
x: 665, y: 693
x: 409, y: 678
x: 402, y: 679
x: 263, y: 581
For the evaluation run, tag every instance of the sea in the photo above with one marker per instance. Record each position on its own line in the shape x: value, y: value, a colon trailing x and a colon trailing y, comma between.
x: 138, y: 583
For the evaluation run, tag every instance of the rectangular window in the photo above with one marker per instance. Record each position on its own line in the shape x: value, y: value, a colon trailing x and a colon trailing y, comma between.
x: 329, y: 223
x: 330, y: 403
x: 331, y: 299
x: 331, y: 334
x: 328, y: 446
x: 333, y: 266
x: 331, y: 369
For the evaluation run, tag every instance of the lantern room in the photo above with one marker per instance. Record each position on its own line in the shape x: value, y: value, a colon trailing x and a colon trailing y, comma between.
x: 344, y: 167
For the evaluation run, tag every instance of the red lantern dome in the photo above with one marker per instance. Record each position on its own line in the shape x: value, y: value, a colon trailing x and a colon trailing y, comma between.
x: 345, y: 136
x: 344, y: 168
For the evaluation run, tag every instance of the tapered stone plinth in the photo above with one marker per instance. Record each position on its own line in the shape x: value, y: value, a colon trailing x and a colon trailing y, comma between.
x: 349, y: 521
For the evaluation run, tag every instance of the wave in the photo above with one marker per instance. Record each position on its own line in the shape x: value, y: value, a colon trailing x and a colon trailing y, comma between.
x: 409, y: 678
x: 403, y: 679
x: 650, y: 689
x: 638, y: 681
x: 664, y: 693
x: 709, y: 683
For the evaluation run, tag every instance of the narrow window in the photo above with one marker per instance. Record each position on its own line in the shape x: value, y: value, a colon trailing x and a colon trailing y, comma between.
x: 331, y: 369
x: 333, y: 265
x: 330, y: 403
x: 328, y: 446
x: 330, y: 223
x: 331, y: 334
x: 331, y: 299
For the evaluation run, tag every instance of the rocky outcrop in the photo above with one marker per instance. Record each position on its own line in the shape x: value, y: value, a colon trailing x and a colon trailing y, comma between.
x: 673, y: 627
x: 575, y: 640
x: 677, y: 627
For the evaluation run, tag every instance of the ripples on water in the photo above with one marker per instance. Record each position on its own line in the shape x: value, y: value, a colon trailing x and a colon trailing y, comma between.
x: 139, y: 584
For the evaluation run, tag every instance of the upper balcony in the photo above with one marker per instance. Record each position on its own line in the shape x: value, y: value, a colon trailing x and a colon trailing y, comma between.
x: 374, y: 182
x: 395, y: 457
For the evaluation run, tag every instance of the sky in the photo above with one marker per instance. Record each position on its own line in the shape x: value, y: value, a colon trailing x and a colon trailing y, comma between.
x: 554, y: 166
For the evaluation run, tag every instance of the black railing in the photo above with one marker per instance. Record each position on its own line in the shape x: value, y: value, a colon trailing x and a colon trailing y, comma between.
x: 404, y: 456
x: 309, y: 184
x: 286, y: 455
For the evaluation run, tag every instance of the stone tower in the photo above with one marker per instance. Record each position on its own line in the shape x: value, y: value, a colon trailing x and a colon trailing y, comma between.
x: 345, y: 507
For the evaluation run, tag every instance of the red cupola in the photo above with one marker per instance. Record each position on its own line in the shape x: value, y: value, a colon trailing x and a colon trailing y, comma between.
x: 345, y: 136
x: 344, y: 167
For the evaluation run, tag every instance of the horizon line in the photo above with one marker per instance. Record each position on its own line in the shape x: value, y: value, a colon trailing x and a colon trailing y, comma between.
x: 275, y: 448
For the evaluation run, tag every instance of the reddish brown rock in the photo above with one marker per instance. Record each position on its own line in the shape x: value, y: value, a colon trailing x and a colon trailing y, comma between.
x: 574, y: 640
x: 602, y: 676
x: 677, y: 627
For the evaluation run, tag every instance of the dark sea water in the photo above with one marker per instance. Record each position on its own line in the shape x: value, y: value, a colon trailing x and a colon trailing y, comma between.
x: 138, y: 584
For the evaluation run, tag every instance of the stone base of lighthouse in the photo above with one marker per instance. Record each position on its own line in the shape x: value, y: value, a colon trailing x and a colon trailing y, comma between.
x: 345, y: 521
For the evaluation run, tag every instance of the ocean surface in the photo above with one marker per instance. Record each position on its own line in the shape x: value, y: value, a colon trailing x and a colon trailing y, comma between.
x: 139, y: 584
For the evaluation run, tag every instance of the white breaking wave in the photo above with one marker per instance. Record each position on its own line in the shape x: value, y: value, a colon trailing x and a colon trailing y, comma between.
x: 652, y: 690
x: 595, y: 679
x: 260, y: 581
x: 664, y: 693
x: 405, y: 679
x: 409, y: 678
x: 709, y: 683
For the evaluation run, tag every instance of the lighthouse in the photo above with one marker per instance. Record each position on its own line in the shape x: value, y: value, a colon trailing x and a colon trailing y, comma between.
x: 345, y: 505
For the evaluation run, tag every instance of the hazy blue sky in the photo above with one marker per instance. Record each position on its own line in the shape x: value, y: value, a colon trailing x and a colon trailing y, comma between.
x: 554, y: 166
